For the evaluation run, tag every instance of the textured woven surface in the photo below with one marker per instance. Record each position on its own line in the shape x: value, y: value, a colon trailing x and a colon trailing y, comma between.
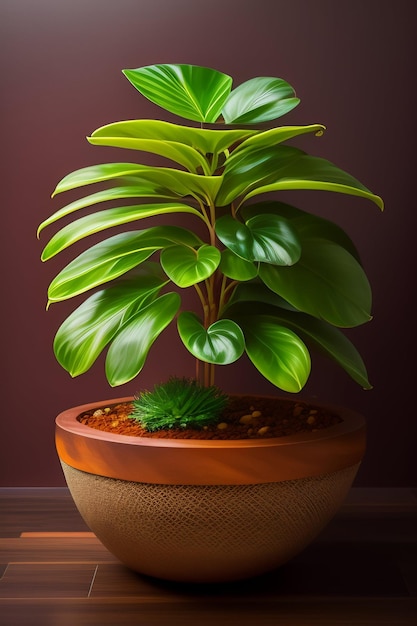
x: 207, y: 533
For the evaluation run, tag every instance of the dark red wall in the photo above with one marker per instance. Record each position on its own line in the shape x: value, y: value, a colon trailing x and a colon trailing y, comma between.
x: 353, y: 65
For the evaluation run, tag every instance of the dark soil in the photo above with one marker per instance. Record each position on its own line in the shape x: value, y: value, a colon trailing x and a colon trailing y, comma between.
x: 245, y: 417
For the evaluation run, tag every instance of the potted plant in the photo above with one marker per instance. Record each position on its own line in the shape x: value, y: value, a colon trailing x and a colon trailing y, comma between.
x: 273, y: 282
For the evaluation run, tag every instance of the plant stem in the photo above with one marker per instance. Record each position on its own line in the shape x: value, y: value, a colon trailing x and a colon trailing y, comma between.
x: 210, y: 300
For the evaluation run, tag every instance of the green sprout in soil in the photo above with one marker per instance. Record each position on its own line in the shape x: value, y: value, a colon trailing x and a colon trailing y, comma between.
x: 179, y: 403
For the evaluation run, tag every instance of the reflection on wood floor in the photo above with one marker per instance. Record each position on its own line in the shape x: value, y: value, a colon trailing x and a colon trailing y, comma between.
x: 362, y: 570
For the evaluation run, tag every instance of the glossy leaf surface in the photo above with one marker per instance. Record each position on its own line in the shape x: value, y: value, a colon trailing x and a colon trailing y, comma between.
x: 87, y: 331
x: 282, y: 167
x: 259, y: 100
x: 256, y: 291
x: 177, y: 152
x: 129, y: 349
x: 96, y: 174
x: 266, y: 238
x: 222, y: 343
x: 235, y: 267
x: 109, y: 218
x: 277, y: 353
x: 187, y: 266
x: 203, y: 140
x: 318, y: 335
x: 317, y: 174
x: 145, y: 190
x: 327, y: 283
x: 158, y: 179
x: 176, y: 182
x: 249, y: 170
x: 275, y: 136
x: 193, y: 92
x: 307, y: 225
x: 113, y: 257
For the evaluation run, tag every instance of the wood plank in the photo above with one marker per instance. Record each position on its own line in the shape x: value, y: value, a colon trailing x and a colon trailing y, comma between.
x: 328, y: 571
x: 294, y: 612
x: 47, y: 580
x: 52, y: 549
x: 38, y: 509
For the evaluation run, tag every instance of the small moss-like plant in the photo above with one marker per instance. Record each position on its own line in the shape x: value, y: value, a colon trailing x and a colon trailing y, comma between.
x: 179, y: 403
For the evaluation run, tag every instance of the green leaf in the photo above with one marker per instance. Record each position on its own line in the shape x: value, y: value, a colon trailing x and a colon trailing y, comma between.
x: 178, y: 152
x: 86, y: 332
x: 318, y: 335
x: 327, y: 283
x: 129, y: 349
x: 187, y: 266
x: 277, y: 353
x: 193, y: 92
x: 275, y: 136
x: 334, y: 344
x: 204, y: 140
x: 235, y: 267
x: 96, y: 174
x: 280, y: 168
x: 116, y: 193
x: 317, y: 174
x: 259, y: 100
x: 222, y: 343
x: 306, y: 225
x: 108, y: 218
x: 113, y: 257
x: 248, y: 170
x: 265, y: 238
x: 177, y: 182
x: 256, y: 291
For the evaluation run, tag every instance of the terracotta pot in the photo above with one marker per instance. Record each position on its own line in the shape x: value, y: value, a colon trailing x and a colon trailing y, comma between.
x: 204, y: 510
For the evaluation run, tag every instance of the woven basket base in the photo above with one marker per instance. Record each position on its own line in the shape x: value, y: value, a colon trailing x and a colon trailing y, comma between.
x: 208, y: 533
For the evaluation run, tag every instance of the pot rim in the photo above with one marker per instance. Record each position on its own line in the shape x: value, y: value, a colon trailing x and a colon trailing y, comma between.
x: 201, y: 461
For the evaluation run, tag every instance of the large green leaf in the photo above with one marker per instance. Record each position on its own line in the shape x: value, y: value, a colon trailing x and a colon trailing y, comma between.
x: 306, y: 224
x: 129, y: 349
x: 187, y: 266
x: 283, y: 167
x: 92, y: 174
x: 277, y: 353
x: 108, y: 218
x: 178, y: 152
x: 145, y: 190
x: 193, y: 92
x: 87, y: 331
x: 317, y: 174
x: 318, y: 335
x: 204, y: 140
x: 266, y: 238
x: 275, y: 136
x: 177, y: 182
x: 222, y: 343
x: 113, y: 257
x: 327, y: 283
x: 235, y: 267
x: 259, y: 100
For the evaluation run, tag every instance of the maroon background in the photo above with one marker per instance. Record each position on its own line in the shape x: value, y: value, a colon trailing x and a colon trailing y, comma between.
x: 352, y: 63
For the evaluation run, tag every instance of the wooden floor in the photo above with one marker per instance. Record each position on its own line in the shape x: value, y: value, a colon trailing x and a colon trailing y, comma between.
x: 362, y: 570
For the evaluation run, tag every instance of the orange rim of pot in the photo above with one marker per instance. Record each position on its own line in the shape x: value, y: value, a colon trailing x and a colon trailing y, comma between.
x: 208, y: 462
